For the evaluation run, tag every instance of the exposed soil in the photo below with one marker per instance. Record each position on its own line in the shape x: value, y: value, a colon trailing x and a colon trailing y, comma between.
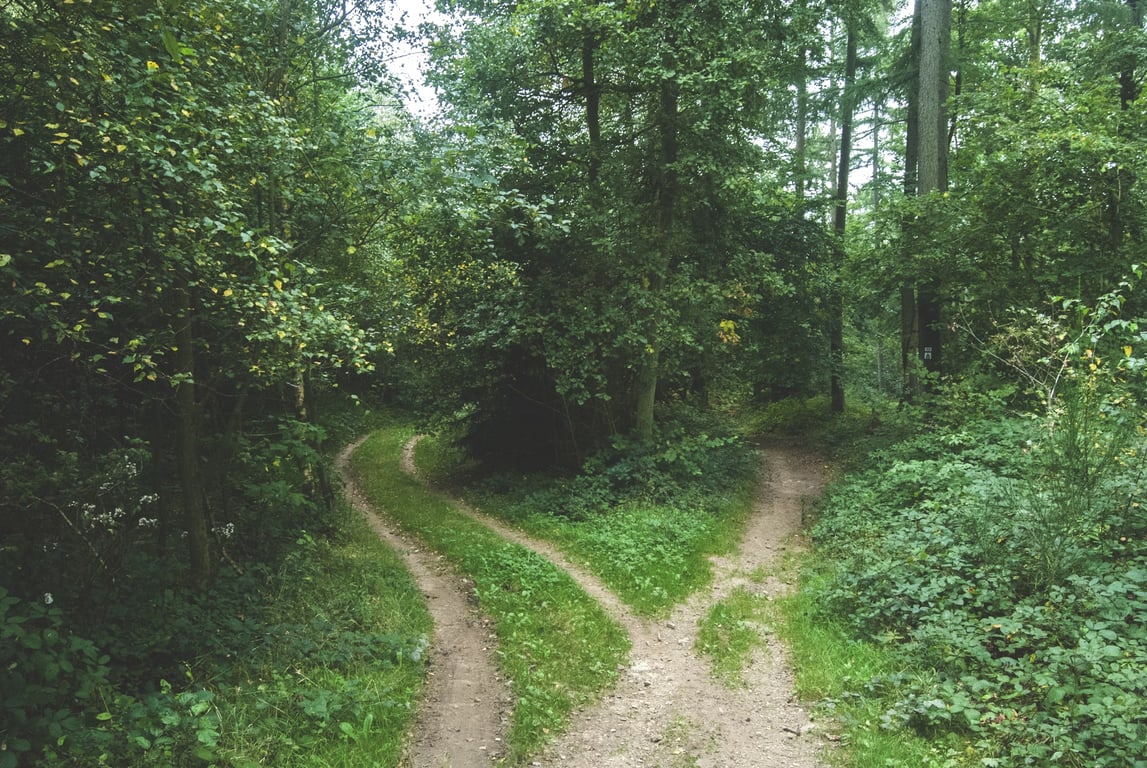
x: 462, y: 718
x: 667, y: 711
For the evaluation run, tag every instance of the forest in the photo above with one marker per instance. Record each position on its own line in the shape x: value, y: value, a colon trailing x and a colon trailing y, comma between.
x: 632, y: 242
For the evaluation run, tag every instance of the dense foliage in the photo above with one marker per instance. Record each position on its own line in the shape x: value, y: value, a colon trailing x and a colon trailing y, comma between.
x: 619, y: 243
x: 180, y: 183
x: 1003, y: 556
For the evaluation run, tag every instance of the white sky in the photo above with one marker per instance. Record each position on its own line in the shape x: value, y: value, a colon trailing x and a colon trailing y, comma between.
x: 409, y: 59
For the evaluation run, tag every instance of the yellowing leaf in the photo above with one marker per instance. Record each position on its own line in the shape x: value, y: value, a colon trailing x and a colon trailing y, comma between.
x: 278, y: 285
x: 152, y: 66
x: 1127, y: 351
x: 17, y: 132
x: 228, y: 292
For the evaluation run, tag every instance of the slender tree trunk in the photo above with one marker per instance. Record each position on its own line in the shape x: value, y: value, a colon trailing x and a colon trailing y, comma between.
x: 1128, y: 83
x: 590, y: 44
x: 909, y: 340
x: 1121, y: 180
x: 935, y: 40
x: 840, y: 220
x: 800, y: 151
x: 649, y: 367
x: 192, y: 492
x: 1035, y: 49
x: 958, y: 80
x: 876, y: 168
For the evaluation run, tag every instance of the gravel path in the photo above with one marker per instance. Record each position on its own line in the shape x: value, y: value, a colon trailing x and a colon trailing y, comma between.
x: 463, y: 715
x: 667, y: 710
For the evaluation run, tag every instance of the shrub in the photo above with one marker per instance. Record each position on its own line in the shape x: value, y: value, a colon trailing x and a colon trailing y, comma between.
x: 1003, y: 560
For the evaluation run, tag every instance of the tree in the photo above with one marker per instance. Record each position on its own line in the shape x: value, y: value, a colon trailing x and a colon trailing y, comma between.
x: 925, y: 176
x: 638, y: 121
x: 161, y: 272
x: 840, y: 214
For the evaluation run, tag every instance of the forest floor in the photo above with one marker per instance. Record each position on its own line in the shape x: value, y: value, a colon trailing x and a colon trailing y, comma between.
x: 667, y: 710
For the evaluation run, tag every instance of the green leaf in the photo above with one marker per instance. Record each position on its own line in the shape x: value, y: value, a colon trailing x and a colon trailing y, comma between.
x: 172, y: 46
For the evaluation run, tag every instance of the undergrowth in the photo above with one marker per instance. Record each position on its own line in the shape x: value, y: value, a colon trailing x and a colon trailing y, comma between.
x: 996, y: 569
x: 314, y: 660
x: 556, y: 645
x: 644, y: 519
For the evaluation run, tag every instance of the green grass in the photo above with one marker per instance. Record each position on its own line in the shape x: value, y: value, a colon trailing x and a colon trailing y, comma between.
x: 730, y: 633
x: 338, y: 684
x: 556, y: 645
x: 652, y: 555
x: 833, y: 672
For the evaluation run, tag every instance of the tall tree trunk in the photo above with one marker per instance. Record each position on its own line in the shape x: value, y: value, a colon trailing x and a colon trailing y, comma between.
x: 192, y: 492
x: 649, y: 367
x: 909, y: 336
x: 935, y: 38
x: 800, y: 151
x: 840, y: 219
x: 590, y: 42
x: 927, y: 154
x: 935, y: 41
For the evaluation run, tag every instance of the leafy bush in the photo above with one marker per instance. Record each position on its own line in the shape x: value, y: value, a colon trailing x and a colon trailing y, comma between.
x: 694, y: 461
x: 323, y: 649
x: 50, y: 676
x: 1007, y: 560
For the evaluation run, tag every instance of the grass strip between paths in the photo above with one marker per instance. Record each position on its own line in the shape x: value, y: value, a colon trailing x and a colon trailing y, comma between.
x: 730, y: 633
x: 556, y: 645
x: 652, y: 555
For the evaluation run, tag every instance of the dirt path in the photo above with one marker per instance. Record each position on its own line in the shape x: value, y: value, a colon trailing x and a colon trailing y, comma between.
x: 667, y: 710
x: 462, y: 718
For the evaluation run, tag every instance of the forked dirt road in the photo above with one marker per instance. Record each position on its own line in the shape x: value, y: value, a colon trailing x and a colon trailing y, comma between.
x: 463, y: 715
x: 667, y: 711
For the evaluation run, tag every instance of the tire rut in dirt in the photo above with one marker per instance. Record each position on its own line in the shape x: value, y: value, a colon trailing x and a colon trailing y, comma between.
x: 461, y: 720
x: 667, y: 710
